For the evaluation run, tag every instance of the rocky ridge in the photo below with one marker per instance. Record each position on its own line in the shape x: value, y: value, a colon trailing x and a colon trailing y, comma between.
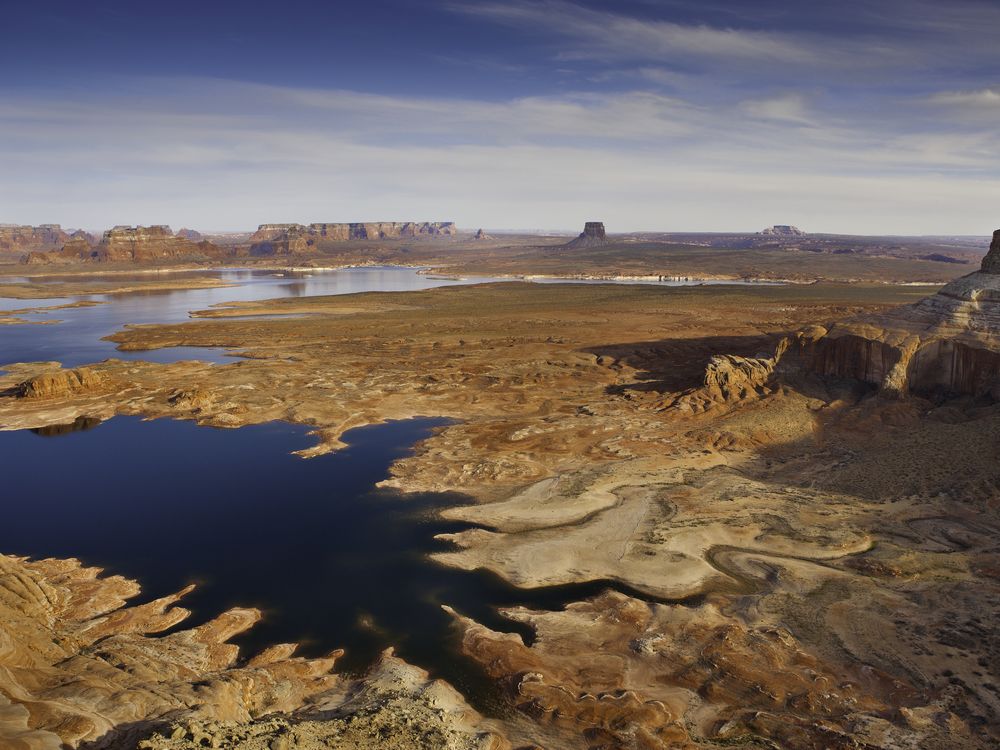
x: 18, y: 240
x: 128, y: 244
x: 948, y: 343
x: 292, y: 239
x: 85, y: 669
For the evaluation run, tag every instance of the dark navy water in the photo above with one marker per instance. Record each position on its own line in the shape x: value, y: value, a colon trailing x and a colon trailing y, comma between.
x: 332, y: 561
x: 78, y: 338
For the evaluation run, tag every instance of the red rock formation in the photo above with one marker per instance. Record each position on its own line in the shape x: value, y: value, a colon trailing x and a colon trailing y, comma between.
x: 16, y: 239
x: 946, y: 343
x: 146, y: 244
x: 293, y: 239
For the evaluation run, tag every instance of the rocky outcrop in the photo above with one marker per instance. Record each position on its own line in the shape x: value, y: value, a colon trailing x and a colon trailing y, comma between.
x: 730, y: 378
x: 125, y: 244
x: 61, y: 383
x: 481, y: 235
x: 189, y: 234
x: 146, y: 244
x: 782, y: 230
x: 293, y: 239
x: 79, y: 666
x: 593, y: 235
x: 20, y: 240
x: 948, y: 343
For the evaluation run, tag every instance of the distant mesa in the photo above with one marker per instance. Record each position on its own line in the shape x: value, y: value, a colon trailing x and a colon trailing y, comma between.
x: 127, y: 244
x: 17, y: 238
x: 593, y: 235
x: 948, y: 343
x: 782, y: 230
x: 189, y: 234
x: 294, y: 239
x: 481, y: 235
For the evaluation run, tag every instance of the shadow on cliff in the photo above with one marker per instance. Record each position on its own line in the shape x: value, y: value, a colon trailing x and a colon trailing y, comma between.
x: 673, y: 365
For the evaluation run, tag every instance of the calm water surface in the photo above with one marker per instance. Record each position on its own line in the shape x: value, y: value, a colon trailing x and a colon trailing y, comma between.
x: 332, y: 561
x: 77, y: 339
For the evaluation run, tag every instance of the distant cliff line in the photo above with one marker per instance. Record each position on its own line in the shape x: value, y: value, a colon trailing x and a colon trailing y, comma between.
x: 48, y: 244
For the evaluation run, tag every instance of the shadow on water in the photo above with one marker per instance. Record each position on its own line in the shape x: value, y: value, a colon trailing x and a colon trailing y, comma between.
x: 330, y: 560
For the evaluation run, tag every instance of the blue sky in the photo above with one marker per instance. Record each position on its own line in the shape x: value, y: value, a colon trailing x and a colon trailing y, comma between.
x: 852, y: 117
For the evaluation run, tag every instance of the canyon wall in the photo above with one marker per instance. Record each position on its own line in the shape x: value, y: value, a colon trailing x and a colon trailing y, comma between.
x: 18, y: 239
x: 948, y: 343
x: 292, y: 239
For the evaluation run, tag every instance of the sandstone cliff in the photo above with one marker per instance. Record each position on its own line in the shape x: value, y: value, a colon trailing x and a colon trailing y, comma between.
x: 292, y: 239
x: 593, y: 235
x: 145, y: 244
x: 129, y: 245
x: 948, y: 343
x: 18, y: 240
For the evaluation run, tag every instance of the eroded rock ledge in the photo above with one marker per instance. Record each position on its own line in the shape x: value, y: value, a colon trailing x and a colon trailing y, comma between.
x: 79, y: 668
x: 948, y: 343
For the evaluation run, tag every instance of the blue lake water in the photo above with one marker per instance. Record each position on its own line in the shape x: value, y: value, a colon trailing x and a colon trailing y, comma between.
x: 78, y: 338
x: 332, y: 561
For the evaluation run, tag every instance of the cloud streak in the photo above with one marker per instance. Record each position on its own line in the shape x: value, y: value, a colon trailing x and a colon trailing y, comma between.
x: 223, y: 155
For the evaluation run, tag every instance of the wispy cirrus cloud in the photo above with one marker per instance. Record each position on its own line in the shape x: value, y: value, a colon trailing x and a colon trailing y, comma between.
x: 615, y: 36
x: 984, y: 99
x: 222, y: 154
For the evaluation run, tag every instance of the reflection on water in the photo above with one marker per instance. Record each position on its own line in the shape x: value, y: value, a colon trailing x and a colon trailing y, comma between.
x: 80, y: 424
x: 77, y: 339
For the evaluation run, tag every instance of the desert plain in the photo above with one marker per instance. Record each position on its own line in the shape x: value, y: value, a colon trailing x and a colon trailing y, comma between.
x: 786, y: 493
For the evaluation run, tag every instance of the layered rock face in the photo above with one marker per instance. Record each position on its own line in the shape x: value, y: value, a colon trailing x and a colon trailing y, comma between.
x: 783, y: 230
x: 948, y: 343
x: 15, y: 238
x: 593, y: 234
x: 127, y: 244
x: 292, y: 239
x: 80, y: 667
x: 144, y: 244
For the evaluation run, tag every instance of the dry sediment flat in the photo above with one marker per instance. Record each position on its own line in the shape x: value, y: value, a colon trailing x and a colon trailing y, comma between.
x: 790, y: 560
x: 63, y: 287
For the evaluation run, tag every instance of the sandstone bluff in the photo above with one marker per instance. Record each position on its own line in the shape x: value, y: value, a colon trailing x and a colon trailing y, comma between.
x: 948, y: 343
x: 292, y: 239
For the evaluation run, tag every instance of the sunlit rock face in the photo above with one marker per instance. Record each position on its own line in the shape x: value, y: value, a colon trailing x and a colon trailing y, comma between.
x: 144, y: 244
x: 293, y: 239
x: 948, y: 343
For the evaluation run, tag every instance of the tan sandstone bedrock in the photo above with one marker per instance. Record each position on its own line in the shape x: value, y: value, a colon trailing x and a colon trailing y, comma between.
x: 847, y: 594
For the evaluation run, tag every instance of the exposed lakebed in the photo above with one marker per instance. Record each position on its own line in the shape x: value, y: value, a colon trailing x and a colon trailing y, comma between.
x: 78, y: 337
x: 332, y: 561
